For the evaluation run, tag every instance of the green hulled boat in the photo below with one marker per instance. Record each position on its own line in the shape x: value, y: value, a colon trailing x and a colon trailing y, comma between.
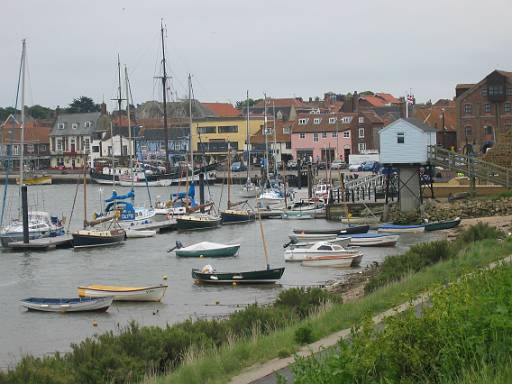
x: 210, y: 276
x: 207, y: 249
x: 444, y: 224
x: 197, y: 221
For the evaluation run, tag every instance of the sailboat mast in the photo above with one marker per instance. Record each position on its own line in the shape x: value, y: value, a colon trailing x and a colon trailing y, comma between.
x: 85, y: 198
x: 190, y: 124
x: 112, y: 154
x: 119, y: 105
x: 229, y: 176
x: 275, y: 144
x: 164, y: 98
x: 22, y: 133
x: 248, y: 141
x: 130, y: 148
x: 265, y: 132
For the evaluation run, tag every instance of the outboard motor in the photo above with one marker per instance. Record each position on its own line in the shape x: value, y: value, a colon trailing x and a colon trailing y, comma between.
x: 179, y: 244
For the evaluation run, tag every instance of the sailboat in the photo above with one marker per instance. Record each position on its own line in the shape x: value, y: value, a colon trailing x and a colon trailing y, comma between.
x: 209, y: 275
x: 197, y: 220
x: 40, y: 224
x: 91, y: 237
x: 231, y: 215
x: 249, y: 189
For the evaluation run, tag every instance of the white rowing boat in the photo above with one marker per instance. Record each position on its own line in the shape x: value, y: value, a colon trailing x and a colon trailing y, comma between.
x: 75, y: 304
x: 120, y: 293
x: 319, y: 249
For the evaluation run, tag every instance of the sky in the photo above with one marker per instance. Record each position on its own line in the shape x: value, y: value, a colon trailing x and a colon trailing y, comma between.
x: 284, y: 48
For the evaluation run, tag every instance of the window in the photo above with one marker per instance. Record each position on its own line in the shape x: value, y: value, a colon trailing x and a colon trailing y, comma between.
x: 16, y: 149
x: 42, y: 148
x: 88, y: 124
x: 86, y: 145
x: 487, y: 108
x: 361, y: 147
x: 74, y: 125
x: 206, y: 129
x: 287, y: 130
x: 361, y: 133
x: 302, y: 135
x: 483, y: 92
x: 332, y: 120
x: 488, y: 130
x: 288, y: 145
x: 361, y: 120
x: 316, y: 120
x: 335, y: 134
x: 315, y: 136
x: 30, y: 148
x: 62, y: 125
x: 400, y: 138
x: 58, y: 144
x: 495, y: 90
x: 346, y: 134
x: 346, y: 119
x: 228, y: 129
x: 303, y: 121
x: 467, y: 131
x: 509, y: 91
x: 507, y: 107
x: 95, y: 148
x: 324, y: 135
x: 468, y: 108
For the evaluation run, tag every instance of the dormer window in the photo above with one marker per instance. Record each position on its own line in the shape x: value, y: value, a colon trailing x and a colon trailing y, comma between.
x: 332, y: 120
x: 317, y: 120
x: 88, y: 124
x: 62, y: 125
x: 74, y: 126
x: 361, y: 120
x: 303, y: 121
x: 286, y: 130
x: 346, y: 120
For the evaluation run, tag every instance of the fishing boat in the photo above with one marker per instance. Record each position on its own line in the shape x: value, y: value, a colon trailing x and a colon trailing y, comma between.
x: 138, y: 234
x: 197, y: 221
x: 209, y: 275
x: 34, y: 179
x: 334, y: 261
x: 398, y: 228
x: 345, y: 231
x: 373, y: 239
x: 444, y: 224
x: 40, y: 225
x: 320, y: 248
x: 121, y: 293
x: 75, y: 304
x: 343, y: 241
x: 207, y: 249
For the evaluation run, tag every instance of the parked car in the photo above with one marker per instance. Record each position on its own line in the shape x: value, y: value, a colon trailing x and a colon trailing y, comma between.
x: 338, y: 164
x: 354, y: 167
x: 238, y: 166
x: 370, y: 166
x: 323, y: 165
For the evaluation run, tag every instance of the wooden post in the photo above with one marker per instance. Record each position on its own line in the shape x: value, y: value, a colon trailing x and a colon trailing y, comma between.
x: 24, y: 211
x: 310, y: 182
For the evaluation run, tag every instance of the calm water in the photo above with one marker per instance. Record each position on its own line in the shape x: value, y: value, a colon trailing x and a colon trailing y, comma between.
x: 140, y: 262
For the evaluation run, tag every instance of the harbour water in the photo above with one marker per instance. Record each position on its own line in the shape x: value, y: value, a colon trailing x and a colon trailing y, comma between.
x: 142, y: 262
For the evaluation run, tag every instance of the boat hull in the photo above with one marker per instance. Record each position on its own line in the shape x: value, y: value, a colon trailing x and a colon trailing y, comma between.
x: 138, y: 234
x: 343, y: 241
x: 89, y: 239
x: 374, y: 240
x: 440, y: 225
x: 401, y: 228
x: 235, y: 217
x: 191, y: 223
x: 87, y: 304
x: 301, y: 254
x: 342, y: 231
x: 9, y: 237
x: 219, y: 252
x: 265, y: 276
x: 152, y: 293
x: 40, y: 180
x: 333, y: 261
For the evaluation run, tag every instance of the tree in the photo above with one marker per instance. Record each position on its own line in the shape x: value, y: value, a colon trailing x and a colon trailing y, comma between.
x: 243, y: 104
x: 83, y: 104
x: 5, y: 112
x: 39, y: 112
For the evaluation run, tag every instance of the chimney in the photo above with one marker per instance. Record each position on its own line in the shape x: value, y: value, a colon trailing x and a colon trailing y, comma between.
x: 403, y: 105
x: 355, y: 102
x: 103, y: 109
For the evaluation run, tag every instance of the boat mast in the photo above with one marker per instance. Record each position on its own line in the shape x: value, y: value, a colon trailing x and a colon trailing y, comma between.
x: 130, y: 148
x: 265, y: 133
x: 248, y: 141
x: 85, y: 198
x: 262, y: 233
x: 119, y: 105
x: 229, y: 175
x: 22, y: 126
x: 164, y: 98
x: 275, y: 145
x: 190, y: 124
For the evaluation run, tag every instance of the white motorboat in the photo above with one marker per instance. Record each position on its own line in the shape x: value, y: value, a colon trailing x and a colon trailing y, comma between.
x: 249, y: 190
x: 40, y: 225
x: 373, y: 239
x: 343, y: 241
x: 120, y: 293
x: 319, y: 249
x: 270, y: 197
x: 334, y: 261
x: 137, y: 234
x: 75, y: 304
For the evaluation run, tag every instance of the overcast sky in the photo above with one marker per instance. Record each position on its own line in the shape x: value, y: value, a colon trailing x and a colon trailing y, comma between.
x: 282, y: 47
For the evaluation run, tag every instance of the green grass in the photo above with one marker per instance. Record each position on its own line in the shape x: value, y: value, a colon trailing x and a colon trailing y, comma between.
x: 219, y: 365
x: 497, y: 196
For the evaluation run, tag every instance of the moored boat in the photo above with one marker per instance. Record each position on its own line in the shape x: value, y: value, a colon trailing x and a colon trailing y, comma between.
x: 334, y: 261
x: 40, y: 225
x: 75, y: 304
x: 137, y: 234
x: 298, y: 215
x: 236, y: 216
x: 297, y: 237
x: 320, y: 248
x: 444, y: 224
x: 121, y: 293
x: 343, y: 241
x: 87, y: 238
x: 36, y: 180
x: 207, y: 249
x: 398, y: 228
x: 373, y: 239
x: 360, y: 220
x: 211, y: 276
x: 197, y: 221
x: 343, y: 231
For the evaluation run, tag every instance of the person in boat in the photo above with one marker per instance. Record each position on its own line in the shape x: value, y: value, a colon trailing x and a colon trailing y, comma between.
x: 207, y: 269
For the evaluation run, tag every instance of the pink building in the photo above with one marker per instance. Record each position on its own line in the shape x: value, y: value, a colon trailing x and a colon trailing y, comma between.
x: 323, y: 136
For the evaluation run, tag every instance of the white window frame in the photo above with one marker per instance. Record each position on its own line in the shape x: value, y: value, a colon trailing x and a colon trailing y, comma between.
x: 315, y: 137
x: 361, y: 120
x: 468, y: 108
x: 324, y: 135
x: 361, y: 147
x: 61, y: 126
x: 302, y: 135
x: 400, y: 135
x: 487, y: 108
x: 16, y: 149
x: 507, y: 107
x: 346, y: 120
x: 317, y: 120
x: 287, y: 130
x: 360, y: 132
x: 334, y: 134
x: 88, y: 124
x: 303, y: 121
x: 346, y: 134
x: 332, y: 120
x: 74, y: 125
x: 86, y: 145
x: 58, y: 144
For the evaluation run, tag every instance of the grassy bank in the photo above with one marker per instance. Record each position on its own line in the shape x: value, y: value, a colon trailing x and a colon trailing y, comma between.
x: 465, y: 336
x: 214, y: 350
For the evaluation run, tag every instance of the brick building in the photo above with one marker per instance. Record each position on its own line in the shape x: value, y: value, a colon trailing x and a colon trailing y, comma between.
x: 483, y: 111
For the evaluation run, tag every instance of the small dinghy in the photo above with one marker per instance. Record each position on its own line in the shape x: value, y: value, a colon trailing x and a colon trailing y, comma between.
x: 346, y: 230
x: 343, y: 241
x: 75, y: 304
x: 134, y: 234
x: 209, y: 275
x: 298, y: 237
x: 334, y: 261
x: 373, y: 239
x: 120, y: 293
x: 444, y: 224
x: 360, y: 220
x: 397, y: 228
x: 319, y: 249
x: 207, y: 249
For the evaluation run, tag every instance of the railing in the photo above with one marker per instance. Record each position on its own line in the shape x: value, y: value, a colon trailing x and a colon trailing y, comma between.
x: 470, y: 166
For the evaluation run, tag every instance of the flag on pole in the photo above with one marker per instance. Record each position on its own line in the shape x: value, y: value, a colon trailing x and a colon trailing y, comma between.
x: 410, y: 99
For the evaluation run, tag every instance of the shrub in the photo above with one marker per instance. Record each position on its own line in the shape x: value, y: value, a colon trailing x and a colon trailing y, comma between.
x: 304, y: 334
x: 303, y: 301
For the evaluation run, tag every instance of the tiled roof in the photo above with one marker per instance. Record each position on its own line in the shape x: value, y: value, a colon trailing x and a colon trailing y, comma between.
x: 420, y: 124
x: 372, y: 116
x: 222, y: 109
x: 34, y: 131
x: 284, y: 102
x: 373, y: 100
x: 388, y: 98
x: 75, y: 124
x: 259, y: 138
x: 433, y: 116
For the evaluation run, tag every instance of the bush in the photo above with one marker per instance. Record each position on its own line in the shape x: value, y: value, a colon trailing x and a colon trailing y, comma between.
x: 303, y: 301
x: 304, y: 334
x: 478, y: 232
